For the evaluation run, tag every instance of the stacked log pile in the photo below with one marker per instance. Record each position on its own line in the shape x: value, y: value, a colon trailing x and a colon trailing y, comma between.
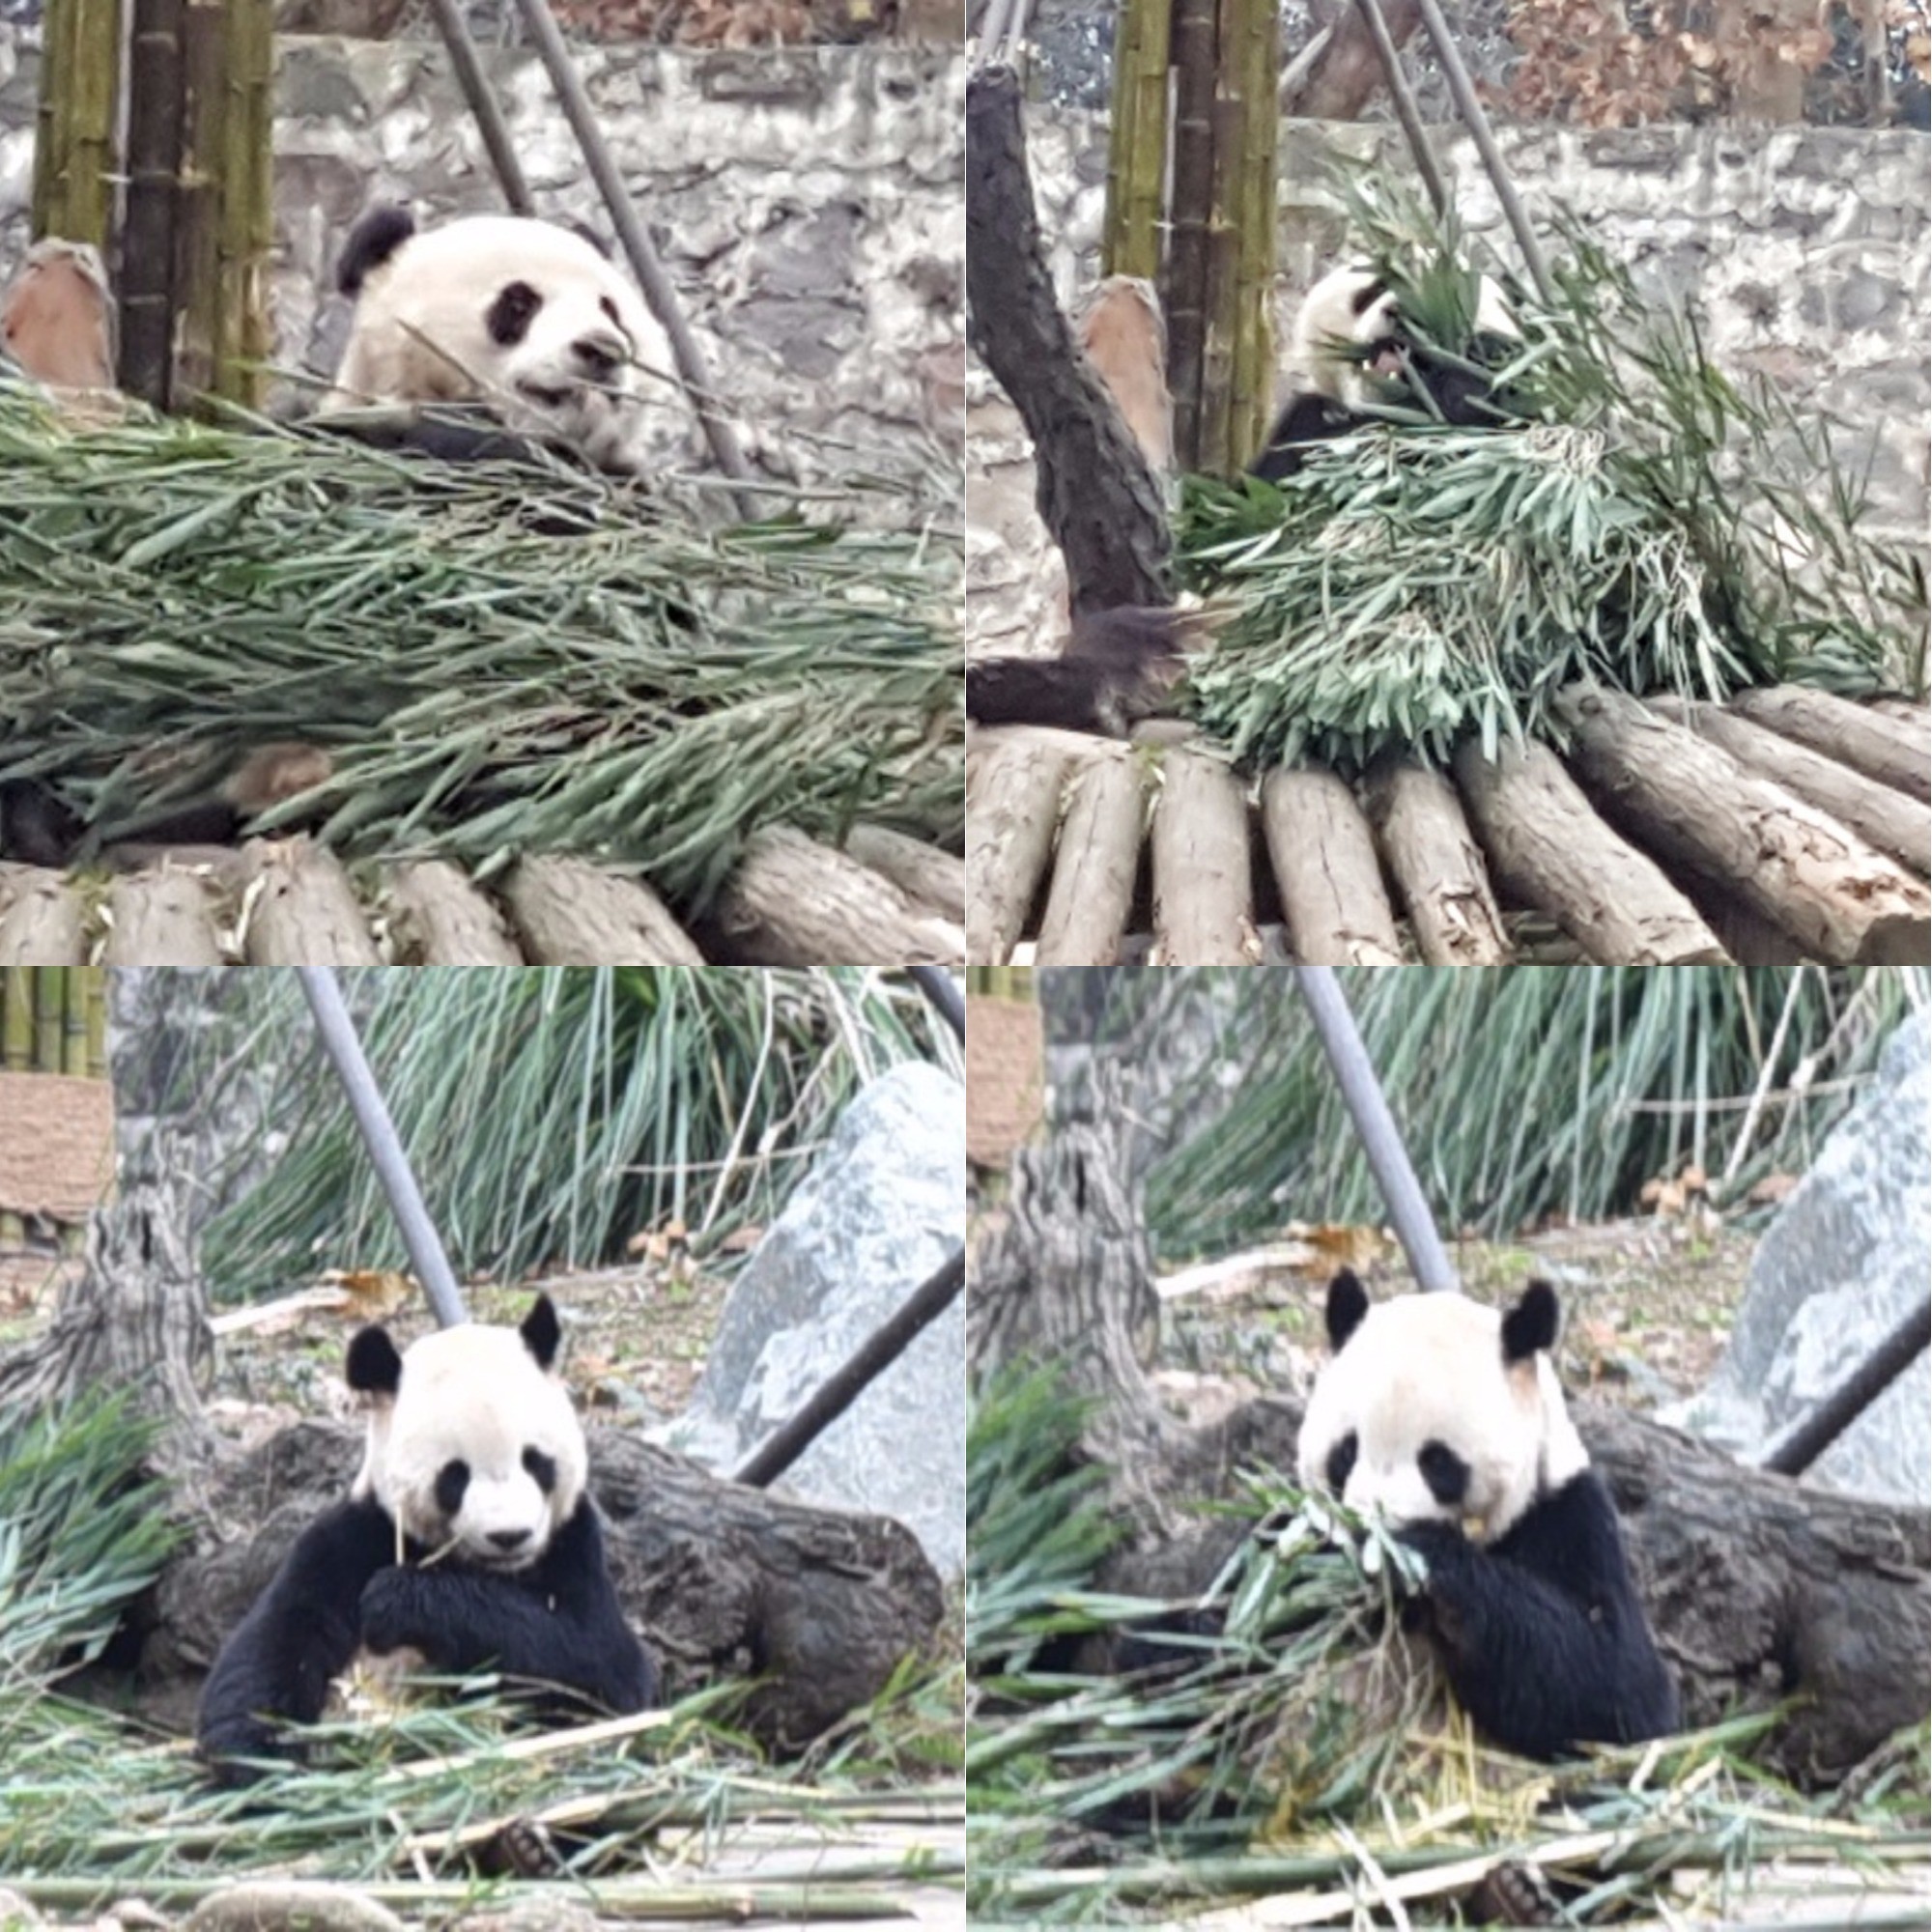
x: 1787, y: 825
x: 885, y: 899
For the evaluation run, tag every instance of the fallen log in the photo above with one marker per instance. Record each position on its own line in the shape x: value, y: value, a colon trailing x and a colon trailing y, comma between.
x: 299, y: 907
x: 1889, y: 820
x: 1894, y: 751
x: 927, y: 874
x: 1098, y: 863
x: 821, y: 1604
x: 162, y: 918
x: 439, y: 919
x: 1429, y: 851
x: 1549, y: 850
x: 1826, y: 1599
x: 792, y: 901
x: 1203, y: 903
x: 41, y: 919
x: 1693, y: 803
x: 571, y: 913
x: 1323, y: 859
x: 1013, y: 812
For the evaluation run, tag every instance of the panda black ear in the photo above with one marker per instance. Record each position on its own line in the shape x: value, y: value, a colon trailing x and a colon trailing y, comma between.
x: 1532, y: 1324
x: 1347, y: 1303
x: 371, y: 242
x: 541, y: 1331
x: 374, y: 1366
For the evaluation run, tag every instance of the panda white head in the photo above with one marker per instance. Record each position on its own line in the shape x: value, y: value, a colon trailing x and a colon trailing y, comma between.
x: 1434, y: 1409
x: 521, y: 315
x: 473, y: 1445
x: 1349, y: 342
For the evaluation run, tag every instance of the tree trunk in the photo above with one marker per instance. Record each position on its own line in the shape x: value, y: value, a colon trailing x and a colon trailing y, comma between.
x: 137, y: 1317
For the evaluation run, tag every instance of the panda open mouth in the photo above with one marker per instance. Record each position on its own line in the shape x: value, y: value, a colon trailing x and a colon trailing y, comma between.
x: 549, y: 398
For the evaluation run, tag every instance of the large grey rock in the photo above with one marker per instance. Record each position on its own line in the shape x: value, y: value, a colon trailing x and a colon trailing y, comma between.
x: 1850, y: 1253
x: 883, y: 1207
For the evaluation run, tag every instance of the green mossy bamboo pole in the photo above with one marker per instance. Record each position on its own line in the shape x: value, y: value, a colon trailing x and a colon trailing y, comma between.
x: 97, y: 1022
x: 1137, y: 140
x: 16, y: 1056
x: 49, y: 1009
x: 1190, y: 213
x: 154, y: 165
x: 1252, y: 54
x: 247, y: 212
x: 75, y: 161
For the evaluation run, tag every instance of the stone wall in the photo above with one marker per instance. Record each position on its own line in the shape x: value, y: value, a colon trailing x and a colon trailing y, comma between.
x: 1804, y: 250
x: 806, y: 203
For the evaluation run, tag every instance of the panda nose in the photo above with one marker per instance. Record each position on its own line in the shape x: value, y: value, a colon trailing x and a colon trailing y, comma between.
x: 507, y: 1540
x: 600, y: 356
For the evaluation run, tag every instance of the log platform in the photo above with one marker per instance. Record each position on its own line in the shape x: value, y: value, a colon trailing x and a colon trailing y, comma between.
x: 884, y: 900
x: 1787, y: 825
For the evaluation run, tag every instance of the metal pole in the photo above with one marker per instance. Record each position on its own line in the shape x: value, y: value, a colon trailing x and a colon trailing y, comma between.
x: 1399, y: 92
x: 1810, y: 1435
x: 490, y: 122
x: 884, y: 1346
x: 1374, y: 1127
x: 637, y: 245
x: 379, y: 1135
x: 942, y: 993
x: 1463, y: 94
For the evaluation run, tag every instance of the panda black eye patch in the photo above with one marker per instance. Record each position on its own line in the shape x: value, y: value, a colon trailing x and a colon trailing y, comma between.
x: 541, y: 1468
x: 1341, y: 1462
x: 509, y: 318
x: 1444, y: 1471
x: 452, y: 1480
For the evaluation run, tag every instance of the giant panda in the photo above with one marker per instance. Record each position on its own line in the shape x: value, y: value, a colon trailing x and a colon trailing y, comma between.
x: 468, y: 1536
x: 522, y: 316
x: 1353, y: 351
x: 1445, y: 1417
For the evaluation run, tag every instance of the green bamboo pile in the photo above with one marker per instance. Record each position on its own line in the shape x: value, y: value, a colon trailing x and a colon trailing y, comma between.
x: 1657, y: 527
x: 643, y: 690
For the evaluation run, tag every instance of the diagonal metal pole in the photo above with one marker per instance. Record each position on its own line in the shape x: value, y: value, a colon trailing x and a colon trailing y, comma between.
x: 324, y: 994
x: 1399, y: 92
x: 638, y: 248
x: 1810, y: 1435
x: 1375, y: 1126
x: 482, y: 104
x: 1463, y: 94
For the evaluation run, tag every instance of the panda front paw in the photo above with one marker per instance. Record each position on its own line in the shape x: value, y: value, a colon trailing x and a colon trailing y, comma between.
x: 391, y: 1610
x: 242, y: 1750
x: 1441, y: 1546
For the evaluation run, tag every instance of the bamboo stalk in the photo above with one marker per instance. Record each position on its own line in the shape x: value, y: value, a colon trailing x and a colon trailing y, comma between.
x: 1137, y: 141
x: 75, y: 161
x: 197, y: 263
x: 49, y: 1009
x: 1255, y: 58
x: 16, y: 1018
x: 154, y: 164
x: 245, y: 139
x: 1190, y: 201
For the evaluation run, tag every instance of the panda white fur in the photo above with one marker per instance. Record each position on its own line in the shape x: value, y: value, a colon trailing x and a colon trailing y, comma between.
x: 1446, y: 1418
x: 1350, y: 352
x: 467, y: 1537
x: 518, y: 314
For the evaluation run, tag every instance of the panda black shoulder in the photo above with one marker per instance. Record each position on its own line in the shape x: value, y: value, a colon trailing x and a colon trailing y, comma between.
x: 371, y: 242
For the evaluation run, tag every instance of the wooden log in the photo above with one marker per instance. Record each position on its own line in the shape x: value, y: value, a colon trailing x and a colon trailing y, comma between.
x: 1013, y: 811
x: 165, y: 917
x: 1092, y: 893
x: 1692, y: 802
x: 41, y: 919
x: 927, y: 874
x: 1911, y: 711
x: 1333, y: 900
x: 826, y: 1604
x: 1891, y: 750
x: 568, y: 912
x: 792, y: 902
x: 1891, y: 821
x: 1203, y: 891
x: 1548, y: 849
x: 439, y: 919
x: 299, y: 909
x: 1437, y: 866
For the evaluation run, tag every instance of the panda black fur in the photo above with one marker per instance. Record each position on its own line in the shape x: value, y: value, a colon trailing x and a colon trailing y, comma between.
x: 1446, y: 1418
x: 522, y: 324
x: 1352, y: 350
x: 468, y: 1536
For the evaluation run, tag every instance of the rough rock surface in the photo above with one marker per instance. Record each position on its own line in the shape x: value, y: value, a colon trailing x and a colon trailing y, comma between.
x: 880, y: 1212
x: 1849, y: 1254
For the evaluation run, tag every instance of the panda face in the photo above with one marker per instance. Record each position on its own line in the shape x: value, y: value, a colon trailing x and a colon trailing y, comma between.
x: 518, y: 314
x: 1434, y: 1409
x: 1349, y: 341
x: 473, y: 1446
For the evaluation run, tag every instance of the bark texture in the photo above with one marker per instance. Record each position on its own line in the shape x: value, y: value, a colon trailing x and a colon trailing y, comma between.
x: 1094, y: 876
x: 1012, y: 812
x: 1203, y: 888
x: 1333, y: 900
x: 571, y: 914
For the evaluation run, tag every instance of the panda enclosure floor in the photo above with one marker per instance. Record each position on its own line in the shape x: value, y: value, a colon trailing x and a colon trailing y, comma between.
x: 885, y: 899
x: 1785, y: 826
